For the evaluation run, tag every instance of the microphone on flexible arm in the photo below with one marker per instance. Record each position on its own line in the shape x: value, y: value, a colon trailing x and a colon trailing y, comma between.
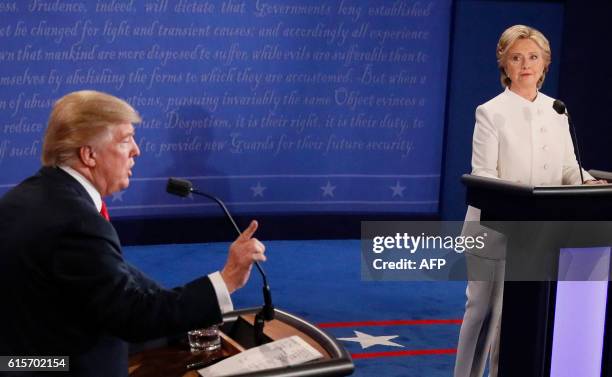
x: 183, y: 188
x: 560, y: 108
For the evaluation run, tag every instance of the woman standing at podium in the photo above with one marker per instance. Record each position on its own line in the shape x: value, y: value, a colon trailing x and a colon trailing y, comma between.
x: 520, y: 138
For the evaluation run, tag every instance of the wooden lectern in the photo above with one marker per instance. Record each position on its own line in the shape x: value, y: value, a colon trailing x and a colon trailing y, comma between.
x: 526, y: 341
x: 169, y: 357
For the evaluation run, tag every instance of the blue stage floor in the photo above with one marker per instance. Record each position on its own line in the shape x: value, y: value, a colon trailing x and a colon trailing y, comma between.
x: 416, y: 322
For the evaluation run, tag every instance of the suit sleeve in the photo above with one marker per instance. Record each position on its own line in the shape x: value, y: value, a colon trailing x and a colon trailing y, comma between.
x: 485, y: 146
x: 117, y: 298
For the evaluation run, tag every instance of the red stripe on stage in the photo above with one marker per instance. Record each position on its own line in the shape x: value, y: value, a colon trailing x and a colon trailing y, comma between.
x: 405, y: 322
x: 450, y: 351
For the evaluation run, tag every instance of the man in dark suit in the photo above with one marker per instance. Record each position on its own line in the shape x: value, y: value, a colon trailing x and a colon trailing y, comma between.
x: 64, y: 285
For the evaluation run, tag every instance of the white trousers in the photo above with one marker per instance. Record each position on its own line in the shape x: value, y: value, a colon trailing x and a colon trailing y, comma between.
x: 479, y: 334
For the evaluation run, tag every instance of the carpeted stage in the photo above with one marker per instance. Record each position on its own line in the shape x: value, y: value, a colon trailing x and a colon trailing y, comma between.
x: 407, y: 329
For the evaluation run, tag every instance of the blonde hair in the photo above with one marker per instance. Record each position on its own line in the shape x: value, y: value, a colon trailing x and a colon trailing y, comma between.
x: 511, y: 35
x: 81, y: 118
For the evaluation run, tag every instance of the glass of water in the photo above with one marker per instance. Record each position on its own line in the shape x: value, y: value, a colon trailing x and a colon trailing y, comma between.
x: 205, y: 339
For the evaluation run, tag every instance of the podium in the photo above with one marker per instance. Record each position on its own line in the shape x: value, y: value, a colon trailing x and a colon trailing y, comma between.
x: 169, y: 357
x: 530, y: 301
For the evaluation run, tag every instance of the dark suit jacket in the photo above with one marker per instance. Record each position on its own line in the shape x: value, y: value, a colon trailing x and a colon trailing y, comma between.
x: 65, y: 288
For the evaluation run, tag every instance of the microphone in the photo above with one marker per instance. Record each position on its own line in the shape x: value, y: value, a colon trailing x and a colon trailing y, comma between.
x: 560, y: 108
x: 182, y: 188
x: 179, y: 187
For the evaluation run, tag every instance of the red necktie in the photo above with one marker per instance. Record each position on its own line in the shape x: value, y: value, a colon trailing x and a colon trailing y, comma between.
x: 104, y: 212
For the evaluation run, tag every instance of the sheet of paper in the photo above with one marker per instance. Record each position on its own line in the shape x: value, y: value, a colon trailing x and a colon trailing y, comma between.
x: 280, y: 353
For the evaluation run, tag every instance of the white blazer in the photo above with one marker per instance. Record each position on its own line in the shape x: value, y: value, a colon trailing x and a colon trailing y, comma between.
x: 523, y: 142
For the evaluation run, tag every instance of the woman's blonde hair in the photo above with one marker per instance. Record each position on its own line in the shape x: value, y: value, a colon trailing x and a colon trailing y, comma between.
x: 511, y: 35
x: 81, y: 118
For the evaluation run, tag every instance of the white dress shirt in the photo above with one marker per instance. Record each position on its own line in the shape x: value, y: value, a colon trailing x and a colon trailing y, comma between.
x: 223, y: 296
x: 524, y: 142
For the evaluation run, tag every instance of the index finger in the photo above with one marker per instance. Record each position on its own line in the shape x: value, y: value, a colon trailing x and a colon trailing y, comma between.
x: 248, y: 232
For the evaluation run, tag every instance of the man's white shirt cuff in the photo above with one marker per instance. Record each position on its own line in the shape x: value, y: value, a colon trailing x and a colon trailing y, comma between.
x: 223, y: 295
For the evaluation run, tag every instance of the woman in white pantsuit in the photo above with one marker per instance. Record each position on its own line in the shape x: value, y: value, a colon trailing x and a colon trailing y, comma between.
x: 520, y: 138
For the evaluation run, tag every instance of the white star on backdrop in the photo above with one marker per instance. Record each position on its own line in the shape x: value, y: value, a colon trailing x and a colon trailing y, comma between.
x: 328, y: 189
x: 118, y: 196
x: 258, y: 190
x: 366, y: 340
x: 398, y: 190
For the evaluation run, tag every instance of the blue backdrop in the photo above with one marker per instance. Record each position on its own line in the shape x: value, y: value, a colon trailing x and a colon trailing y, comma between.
x: 274, y: 106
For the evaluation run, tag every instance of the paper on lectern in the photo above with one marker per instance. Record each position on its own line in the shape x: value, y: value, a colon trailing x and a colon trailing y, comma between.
x: 280, y: 353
